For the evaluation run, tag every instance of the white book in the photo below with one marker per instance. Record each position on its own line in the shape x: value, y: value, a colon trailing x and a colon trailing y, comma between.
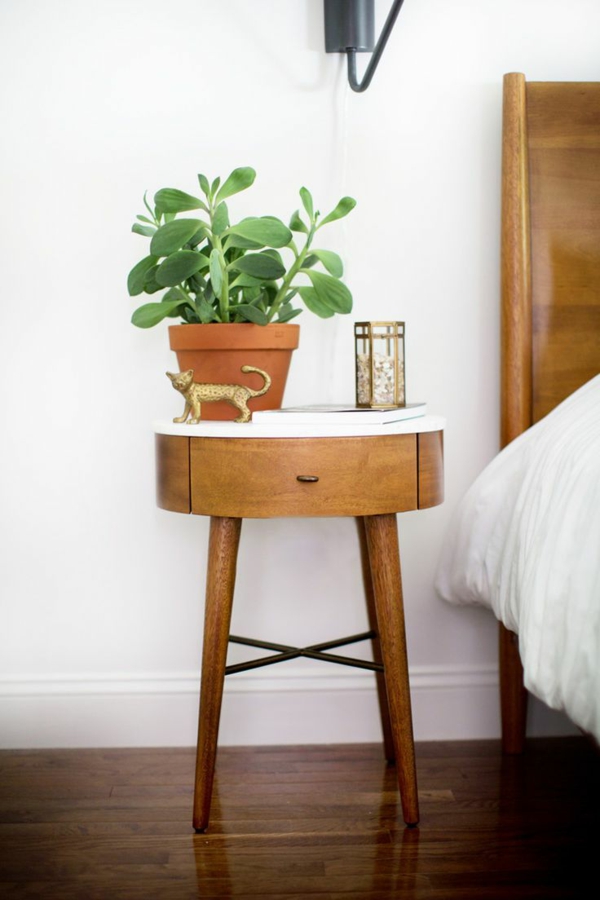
x: 332, y: 414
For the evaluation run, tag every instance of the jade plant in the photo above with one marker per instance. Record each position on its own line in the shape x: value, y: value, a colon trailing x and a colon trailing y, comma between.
x: 215, y: 271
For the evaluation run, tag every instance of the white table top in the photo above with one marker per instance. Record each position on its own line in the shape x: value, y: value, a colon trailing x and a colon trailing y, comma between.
x: 288, y: 430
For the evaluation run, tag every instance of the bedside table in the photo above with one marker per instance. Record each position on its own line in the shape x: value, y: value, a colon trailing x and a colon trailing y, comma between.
x: 230, y: 472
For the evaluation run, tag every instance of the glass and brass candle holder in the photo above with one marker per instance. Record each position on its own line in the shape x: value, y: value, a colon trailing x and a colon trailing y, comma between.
x: 379, y: 353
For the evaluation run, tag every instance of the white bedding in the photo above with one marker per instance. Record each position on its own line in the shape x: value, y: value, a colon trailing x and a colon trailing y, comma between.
x: 526, y: 543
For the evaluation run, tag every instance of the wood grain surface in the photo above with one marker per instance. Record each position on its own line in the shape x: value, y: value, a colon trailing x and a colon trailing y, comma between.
x: 274, y: 477
x: 563, y: 126
x: 513, y: 696
x: 371, y: 478
x: 173, y: 473
x: 382, y: 541
x: 550, y: 246
x: 516, y: 328
x: 430, y: 463
x: 220, y: 583
x: 301, y: 823
x: 550, y: 263
x: 384, y: 711
x: 258, y: 478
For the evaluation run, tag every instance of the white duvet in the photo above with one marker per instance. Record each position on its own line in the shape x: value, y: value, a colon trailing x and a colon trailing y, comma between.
x: 526, y: 543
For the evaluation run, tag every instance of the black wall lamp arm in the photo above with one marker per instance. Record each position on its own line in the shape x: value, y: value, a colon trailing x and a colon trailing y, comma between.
x: 349, y: 29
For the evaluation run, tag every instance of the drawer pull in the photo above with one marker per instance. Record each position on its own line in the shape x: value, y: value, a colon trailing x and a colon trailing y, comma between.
x: 310, y: 478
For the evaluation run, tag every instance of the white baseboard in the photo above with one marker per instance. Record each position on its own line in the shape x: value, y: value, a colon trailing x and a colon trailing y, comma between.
x: 298, y: 706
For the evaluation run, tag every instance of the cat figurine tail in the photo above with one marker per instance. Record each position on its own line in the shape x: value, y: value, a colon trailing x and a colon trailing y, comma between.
x: 265, y: 386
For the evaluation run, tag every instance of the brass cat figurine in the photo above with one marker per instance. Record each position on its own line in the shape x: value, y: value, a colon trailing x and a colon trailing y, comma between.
x: 197, y: 393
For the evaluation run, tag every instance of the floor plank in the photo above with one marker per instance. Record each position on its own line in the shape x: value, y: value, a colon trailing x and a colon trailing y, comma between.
x: 317, y: 823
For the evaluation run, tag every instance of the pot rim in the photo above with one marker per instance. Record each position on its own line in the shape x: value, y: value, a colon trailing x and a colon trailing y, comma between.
x: 234, y: 335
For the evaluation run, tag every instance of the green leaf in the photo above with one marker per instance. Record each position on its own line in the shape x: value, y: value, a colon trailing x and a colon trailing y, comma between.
x: 220, y: 220
x: 216, y: 273
x: 253, y: 292
x: 179, y: 266
x: 151, y: 285
x: 331, y: 292
x: 152, y: 313
x: 285, y: 308
x: 257, y: 300
x: 242, y: 281
x: 205, y: 311
x: 198, y: 237
x: 175, y: 293
x: 345, y: 206
x: 287, y: 313
x: 259, y: 265
x: 146, y: 230
x: 146, y: 220
x: 274, y: 254
x: 215, y: 186
x: 296, y: 223
x: 147, y: 205
x: 204, y: 185
x: 197, y: 282
x: 137, y: 276
x: 170, y: 200
x: 251, y: 313
x: 242, y: 243
x: 181, y: 311
x: 239, y: 180
x: 307, y: 202
x: 269, y: 292
x: 203, y: 263
x: 330, y: 260
x: 267, y: 231
x: 173, y: 236
x: 189, y: 315
x: 314, y: 304
x: 209, y: 294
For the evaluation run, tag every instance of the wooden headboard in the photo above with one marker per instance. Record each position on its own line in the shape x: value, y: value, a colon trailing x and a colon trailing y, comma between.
x: 550, y: 258
x: 550, y: 246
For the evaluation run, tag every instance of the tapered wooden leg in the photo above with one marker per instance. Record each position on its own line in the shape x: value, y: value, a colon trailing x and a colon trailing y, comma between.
x: 384, y: 555
x: 222, y: 556
x: 513, y: 695
x: 384, y: 712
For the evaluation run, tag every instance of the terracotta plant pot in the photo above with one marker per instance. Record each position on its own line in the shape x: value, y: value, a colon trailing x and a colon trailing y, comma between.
x: 216, y: 353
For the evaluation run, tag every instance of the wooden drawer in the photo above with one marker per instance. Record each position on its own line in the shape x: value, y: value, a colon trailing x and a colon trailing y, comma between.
x: 262, y: 478
x: 430, y: 450
x: 173, y: 472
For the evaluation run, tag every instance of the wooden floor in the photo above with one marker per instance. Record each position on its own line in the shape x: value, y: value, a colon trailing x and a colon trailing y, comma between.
x: 301, y: 822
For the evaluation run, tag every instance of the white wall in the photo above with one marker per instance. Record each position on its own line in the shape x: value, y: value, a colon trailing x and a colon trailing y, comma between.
x: 102, y: 592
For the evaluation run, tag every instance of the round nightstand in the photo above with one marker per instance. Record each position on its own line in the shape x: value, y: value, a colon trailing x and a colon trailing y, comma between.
x: 230, y: 472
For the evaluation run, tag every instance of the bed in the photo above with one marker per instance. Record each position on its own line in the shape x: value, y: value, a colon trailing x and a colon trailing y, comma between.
x: 526, y: 540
